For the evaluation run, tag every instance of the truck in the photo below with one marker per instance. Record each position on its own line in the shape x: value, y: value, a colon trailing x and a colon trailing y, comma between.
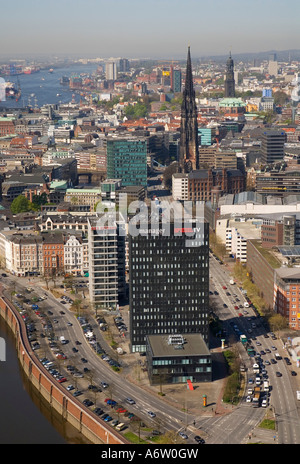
x: 251, y: 351
x: 266, y: 385
x: 256, y: 397
x: 243, y: 339
x: 256, y: 369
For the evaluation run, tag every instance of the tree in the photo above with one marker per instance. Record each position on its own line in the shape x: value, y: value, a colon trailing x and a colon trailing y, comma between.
x: 169, y: 171
x: 39, y: 200
x: 20, y: 204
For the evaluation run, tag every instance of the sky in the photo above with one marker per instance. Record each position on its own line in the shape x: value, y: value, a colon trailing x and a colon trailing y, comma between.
x: 147, y: 28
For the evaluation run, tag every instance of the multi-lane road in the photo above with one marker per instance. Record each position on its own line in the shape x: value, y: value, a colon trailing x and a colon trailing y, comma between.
x: 166, y: 416
x: 230, y: 428
x: 282, y: 398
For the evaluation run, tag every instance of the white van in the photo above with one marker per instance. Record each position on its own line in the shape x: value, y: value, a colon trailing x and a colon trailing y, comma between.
x: 120, y: 426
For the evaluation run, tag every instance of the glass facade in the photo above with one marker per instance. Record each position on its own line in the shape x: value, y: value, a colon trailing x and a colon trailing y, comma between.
x: 127, y: 160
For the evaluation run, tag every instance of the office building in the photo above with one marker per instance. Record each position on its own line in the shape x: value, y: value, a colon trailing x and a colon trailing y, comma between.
x: 178, y: 359
x: 169, y: 284
x: 272, y: 146
x: 106, y: 243
x: 127, y: 160
x: 278, y: 183
x: 124, y: 65
x: 176, y: 80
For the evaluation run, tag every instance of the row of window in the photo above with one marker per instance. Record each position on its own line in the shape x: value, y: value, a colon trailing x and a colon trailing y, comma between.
x: 167, y: 362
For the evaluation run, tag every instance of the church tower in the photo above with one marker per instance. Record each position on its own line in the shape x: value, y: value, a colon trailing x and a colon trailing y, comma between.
x: 229, y: 79
x: 188, y: 149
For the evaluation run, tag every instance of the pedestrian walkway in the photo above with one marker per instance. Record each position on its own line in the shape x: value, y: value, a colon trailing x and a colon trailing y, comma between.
x: 262, y: 436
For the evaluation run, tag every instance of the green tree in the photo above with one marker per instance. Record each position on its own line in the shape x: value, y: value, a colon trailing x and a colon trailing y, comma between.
x: 137, y: 111
x: 21, y: 204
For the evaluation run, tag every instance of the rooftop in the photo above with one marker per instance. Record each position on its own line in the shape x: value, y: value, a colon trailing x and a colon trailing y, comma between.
x: 193, y: 345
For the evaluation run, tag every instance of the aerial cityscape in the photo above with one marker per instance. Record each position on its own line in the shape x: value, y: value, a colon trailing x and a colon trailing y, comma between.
x: 150, y: 227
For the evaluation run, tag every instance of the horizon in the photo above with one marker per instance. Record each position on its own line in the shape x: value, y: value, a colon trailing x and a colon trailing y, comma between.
x: 162, y: 28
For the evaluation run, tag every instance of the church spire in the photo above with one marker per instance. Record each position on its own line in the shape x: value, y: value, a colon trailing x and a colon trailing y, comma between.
x: 188, y: 150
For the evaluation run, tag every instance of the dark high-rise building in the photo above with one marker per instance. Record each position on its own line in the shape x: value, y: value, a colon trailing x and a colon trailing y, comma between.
x: 188, y: 150
x: 169, y: 284
x: 272, y: 146
x: 229, y: 79
x: 175, y: 80
x: 124, y: 65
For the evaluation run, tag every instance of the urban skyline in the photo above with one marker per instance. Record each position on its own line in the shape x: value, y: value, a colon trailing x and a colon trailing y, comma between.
x: 159, y: 29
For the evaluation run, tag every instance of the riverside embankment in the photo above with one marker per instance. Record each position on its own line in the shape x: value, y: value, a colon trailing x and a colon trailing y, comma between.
x: 71, y: 410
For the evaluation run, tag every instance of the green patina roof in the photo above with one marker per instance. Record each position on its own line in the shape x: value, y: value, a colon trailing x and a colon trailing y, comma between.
x: 232, y: 102
x: 59, y: 184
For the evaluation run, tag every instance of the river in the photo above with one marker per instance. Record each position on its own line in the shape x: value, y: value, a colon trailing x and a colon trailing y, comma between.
x: 25, y: 417
x: 43, y: 87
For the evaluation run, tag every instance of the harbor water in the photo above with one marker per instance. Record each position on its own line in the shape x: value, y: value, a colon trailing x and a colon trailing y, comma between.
x: 41, y: 88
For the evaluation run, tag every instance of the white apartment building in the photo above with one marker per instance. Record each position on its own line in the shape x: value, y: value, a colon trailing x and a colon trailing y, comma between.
x: 106, y: 261
x: 180, y: 184
x: 111, y: 70
x: 73, y: 255
x: 235, y: 233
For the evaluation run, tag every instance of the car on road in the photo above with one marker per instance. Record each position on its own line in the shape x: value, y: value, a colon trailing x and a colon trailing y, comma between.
x: 293, y: 373
x: 70, y: 387
x: 248, y: 399
x: 104, y: 384
x: 130, y: 401
x: 183, y: 435
x: 84, y: 360
x: 264, y: 403
x: 78, y: 342
x: 69, y: 324
x: 278, y: 374
x: 151, y: 414
x: 74, y: 350
x: 199, y: 439
x: 77, y: 393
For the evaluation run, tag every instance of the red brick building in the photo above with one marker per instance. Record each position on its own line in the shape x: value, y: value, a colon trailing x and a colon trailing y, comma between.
x: 7, y: 126
x: 53, y: 254
x: 202, y: 182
